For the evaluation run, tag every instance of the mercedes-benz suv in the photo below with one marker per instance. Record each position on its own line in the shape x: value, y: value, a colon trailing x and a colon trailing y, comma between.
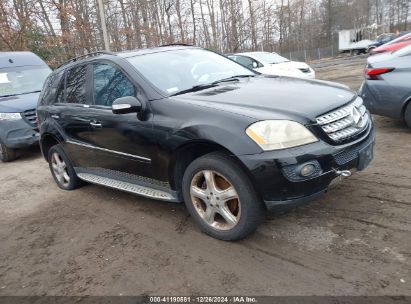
x: 180, y: 123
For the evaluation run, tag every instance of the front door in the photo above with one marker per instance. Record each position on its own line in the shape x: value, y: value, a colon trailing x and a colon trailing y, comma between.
x: 123, y: 142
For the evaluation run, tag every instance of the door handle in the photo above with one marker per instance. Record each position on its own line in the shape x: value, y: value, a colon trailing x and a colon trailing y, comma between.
x: 95, y: 124
x: 55, y: 116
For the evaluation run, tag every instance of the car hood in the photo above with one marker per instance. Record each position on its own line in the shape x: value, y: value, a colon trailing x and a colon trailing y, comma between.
x: 290, y: 68
x: 18, y: 103
x: 265, y: 97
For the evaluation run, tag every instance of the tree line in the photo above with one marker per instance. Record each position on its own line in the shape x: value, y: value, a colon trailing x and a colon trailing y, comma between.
x: 60, y: 29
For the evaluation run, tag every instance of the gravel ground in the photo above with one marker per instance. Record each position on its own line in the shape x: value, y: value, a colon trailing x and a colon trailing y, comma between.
x: 355, y: 240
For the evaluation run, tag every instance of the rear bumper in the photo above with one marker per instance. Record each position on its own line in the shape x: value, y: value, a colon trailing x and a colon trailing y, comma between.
x: 18, y: 134
x: 382, y: 99
x: 273, y: 173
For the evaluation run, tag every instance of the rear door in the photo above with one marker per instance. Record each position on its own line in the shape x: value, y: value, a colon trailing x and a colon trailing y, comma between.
x: 72, y: 111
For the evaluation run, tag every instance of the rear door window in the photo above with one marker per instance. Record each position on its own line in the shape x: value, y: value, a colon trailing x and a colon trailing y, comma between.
x: 109, y: 84
x: 76, y: 85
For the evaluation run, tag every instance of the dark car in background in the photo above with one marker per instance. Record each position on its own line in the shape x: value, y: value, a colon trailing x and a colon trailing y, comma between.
x: 386, y: 89
x: 22, y: 75
x: 180, y: 123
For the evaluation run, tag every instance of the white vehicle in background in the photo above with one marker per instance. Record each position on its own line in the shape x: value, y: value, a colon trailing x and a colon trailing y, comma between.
x: 273, y: 64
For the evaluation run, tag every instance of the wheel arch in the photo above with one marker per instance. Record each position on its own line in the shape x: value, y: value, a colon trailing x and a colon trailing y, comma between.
x: 47, y: 141
x: 184, y: 155
x: 404, y: 107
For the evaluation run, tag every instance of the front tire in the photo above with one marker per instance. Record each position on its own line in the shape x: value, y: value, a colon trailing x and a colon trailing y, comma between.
x: 6, y: 154
x: 220, y: 197
x: 62, y: 169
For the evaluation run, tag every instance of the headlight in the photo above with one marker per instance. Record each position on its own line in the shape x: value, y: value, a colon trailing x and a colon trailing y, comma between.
x: 279, y: 134
x: 10, y: 116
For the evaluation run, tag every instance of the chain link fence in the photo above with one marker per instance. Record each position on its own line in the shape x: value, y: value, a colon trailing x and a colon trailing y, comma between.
x: 313, y: 54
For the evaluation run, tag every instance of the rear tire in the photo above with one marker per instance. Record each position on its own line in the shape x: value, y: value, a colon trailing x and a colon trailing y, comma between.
x: 407, y: 115
x: 7, y: 154
x: 220, y: 197
x: 62, y: 169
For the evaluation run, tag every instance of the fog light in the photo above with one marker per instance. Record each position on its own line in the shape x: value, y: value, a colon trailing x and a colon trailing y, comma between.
x: 307, y: 170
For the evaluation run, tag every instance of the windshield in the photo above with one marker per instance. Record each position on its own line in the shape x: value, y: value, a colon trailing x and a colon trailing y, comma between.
x: 270, y: 57
x: 22, y: 80
x: 179, y: 70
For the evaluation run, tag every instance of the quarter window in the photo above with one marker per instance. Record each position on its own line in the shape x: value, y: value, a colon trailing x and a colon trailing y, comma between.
x: 110, y: 83
x: 50, y: 87
x: 60, y: 89
x: 76, y: 85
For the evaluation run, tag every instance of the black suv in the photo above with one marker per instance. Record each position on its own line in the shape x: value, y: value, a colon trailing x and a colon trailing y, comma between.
x: 180, y: 123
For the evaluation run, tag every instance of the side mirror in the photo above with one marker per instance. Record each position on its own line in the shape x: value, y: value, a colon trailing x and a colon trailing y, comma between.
x: 255, y: 65
x: 127, y: 104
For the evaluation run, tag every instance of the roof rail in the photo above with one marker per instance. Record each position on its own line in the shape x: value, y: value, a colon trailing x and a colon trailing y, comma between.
x: 176, y: 44
x: 86, y: 56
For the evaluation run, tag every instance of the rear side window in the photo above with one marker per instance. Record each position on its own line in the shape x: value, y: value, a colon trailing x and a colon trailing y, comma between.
x: 109, y: 84
x: 245, y: 61
x: 76, y: 85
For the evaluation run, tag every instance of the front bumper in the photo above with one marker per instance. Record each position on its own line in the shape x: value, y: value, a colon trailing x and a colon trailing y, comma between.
x: 18, y: 134
x: 271, y: 172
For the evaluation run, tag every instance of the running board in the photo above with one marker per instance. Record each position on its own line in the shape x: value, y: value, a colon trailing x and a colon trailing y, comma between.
x: 146, y: 191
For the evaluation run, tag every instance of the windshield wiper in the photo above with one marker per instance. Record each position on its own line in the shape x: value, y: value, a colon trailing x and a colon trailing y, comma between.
x: 200, y: 87
x: 232, y: 78
x: 9, y: 95
x: 37, y: 91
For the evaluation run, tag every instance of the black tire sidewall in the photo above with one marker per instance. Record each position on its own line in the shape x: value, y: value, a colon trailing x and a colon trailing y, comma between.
x: 74, y: 180
x: 8, y: 153
x: 252, y: 210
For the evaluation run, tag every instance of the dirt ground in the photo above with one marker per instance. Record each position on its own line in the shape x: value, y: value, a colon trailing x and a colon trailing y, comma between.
x: 96, y: 241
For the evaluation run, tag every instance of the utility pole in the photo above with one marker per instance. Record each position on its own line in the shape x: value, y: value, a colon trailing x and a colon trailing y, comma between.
x: 103, y: 25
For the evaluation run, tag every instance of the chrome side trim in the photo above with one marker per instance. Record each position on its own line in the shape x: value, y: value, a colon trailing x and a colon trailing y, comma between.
x: 141, y: 158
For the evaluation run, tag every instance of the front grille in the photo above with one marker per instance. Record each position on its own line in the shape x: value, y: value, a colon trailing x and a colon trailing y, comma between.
x: 345, y: 122
x: 30, y: 116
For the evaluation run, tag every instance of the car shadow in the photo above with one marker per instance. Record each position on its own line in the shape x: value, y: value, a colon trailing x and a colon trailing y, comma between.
x: 382, y: 122
x: 29, y: 153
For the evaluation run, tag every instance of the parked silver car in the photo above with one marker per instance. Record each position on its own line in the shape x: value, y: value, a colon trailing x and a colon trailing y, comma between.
x: 387, y: 86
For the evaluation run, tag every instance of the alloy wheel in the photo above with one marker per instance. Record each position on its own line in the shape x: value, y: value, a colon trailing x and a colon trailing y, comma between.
x: 60, y: 169
x: 215, y: 200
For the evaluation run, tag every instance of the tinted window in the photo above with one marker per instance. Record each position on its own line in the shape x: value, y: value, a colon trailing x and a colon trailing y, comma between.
x: 50, y: 88
x: 76, y: 85
x: 110, y: 83
x: 60, y: 89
